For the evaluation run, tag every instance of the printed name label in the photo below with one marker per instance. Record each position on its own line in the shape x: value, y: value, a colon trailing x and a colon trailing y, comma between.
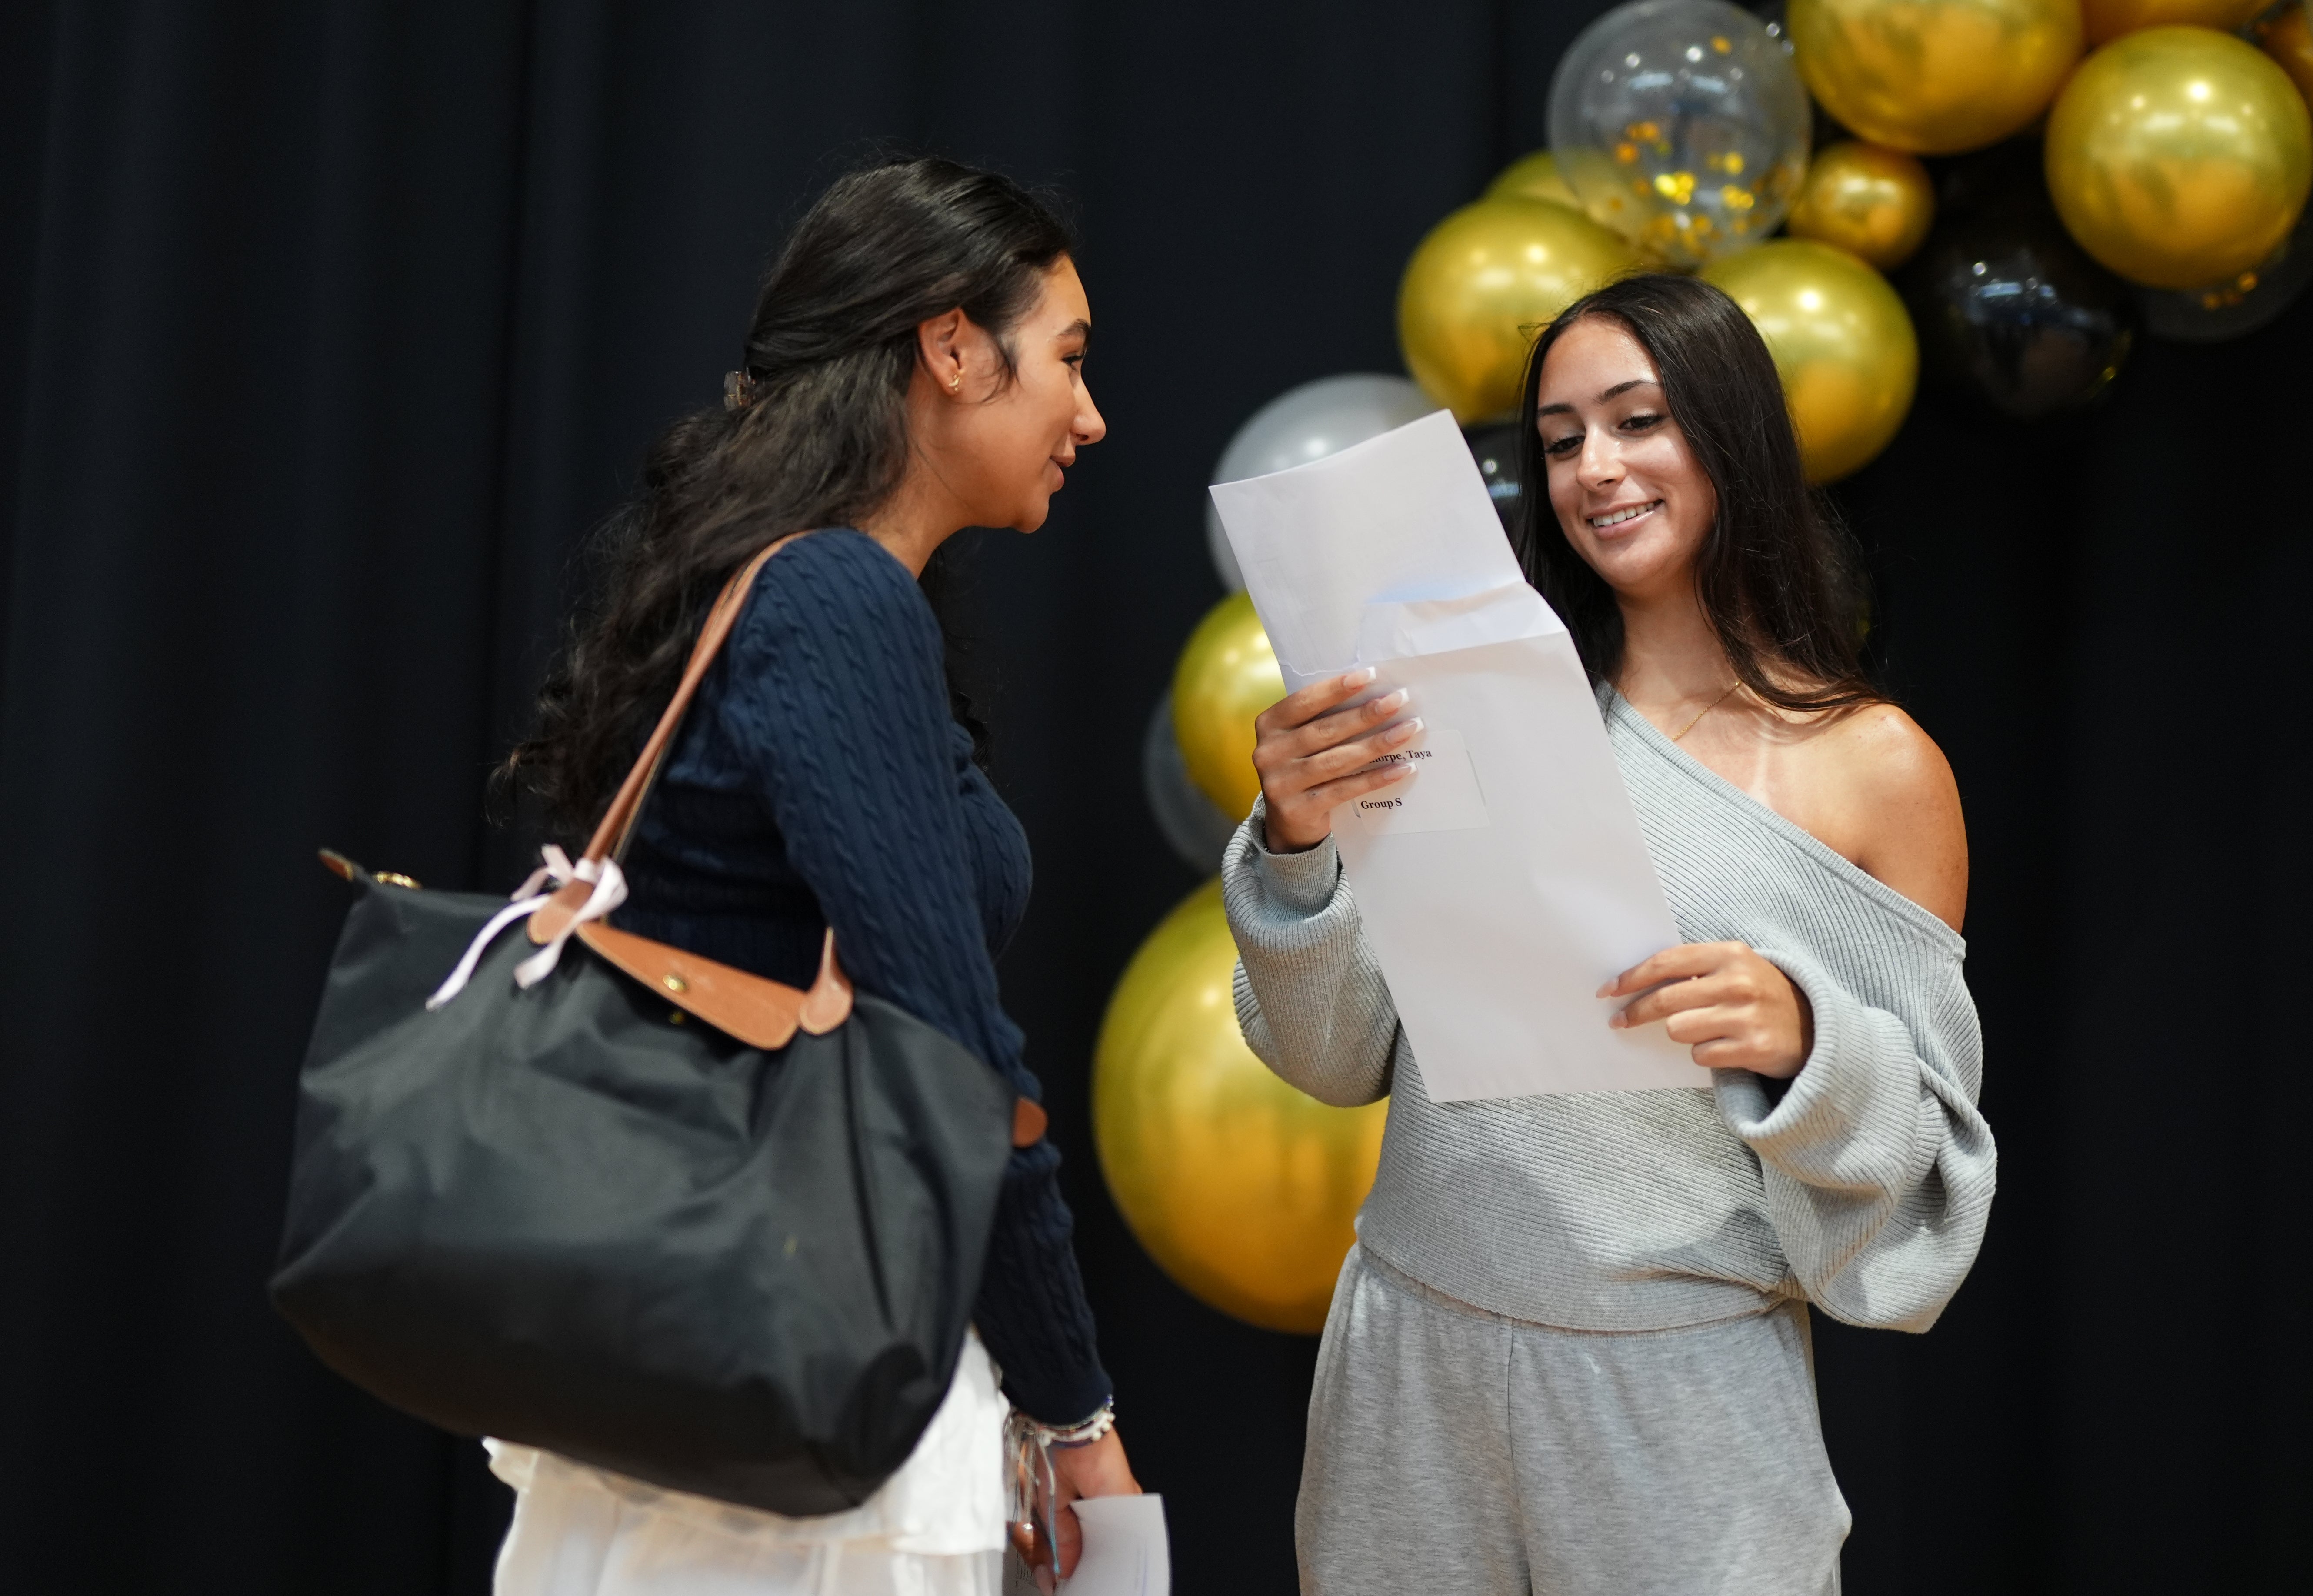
x: 1442, y: 794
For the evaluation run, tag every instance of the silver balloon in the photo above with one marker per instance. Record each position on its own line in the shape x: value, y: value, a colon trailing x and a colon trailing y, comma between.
x: 1191, y: 823
x: 1304, y: 423
x: 1683, y: 125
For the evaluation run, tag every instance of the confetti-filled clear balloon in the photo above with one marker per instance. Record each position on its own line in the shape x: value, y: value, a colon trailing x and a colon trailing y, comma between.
x: 1681, y: 125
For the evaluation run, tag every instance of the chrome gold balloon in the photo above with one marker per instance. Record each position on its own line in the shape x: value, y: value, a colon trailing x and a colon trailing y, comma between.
x: 1483, y: 284
x: 2104, y: 20
x: 1240, y: 1187
x: 2179, y: 157
x: 1935, y: 76
x: 2239, y: 304
x: 1841, y: 339
x: 1873, y: 203
x: 2287, y: 36
x: 1226, y: 676
x: 1534, y: 177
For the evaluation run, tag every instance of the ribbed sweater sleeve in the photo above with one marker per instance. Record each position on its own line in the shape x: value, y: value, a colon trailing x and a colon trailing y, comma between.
x: 836, y: 680
x: 1879, y: 1167
x: 1310, y: 998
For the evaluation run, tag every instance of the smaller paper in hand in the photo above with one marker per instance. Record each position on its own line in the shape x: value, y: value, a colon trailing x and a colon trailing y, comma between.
x: 1125, y: 1550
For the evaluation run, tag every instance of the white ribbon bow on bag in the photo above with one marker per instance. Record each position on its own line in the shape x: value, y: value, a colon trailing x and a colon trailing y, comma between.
x: 548, y: 879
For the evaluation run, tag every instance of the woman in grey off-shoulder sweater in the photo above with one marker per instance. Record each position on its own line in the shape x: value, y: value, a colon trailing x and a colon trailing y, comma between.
x: 1568, y: 1352
x: 1863, y: 1190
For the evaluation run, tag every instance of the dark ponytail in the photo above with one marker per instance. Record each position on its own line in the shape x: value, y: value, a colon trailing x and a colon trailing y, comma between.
x: 815, y: 435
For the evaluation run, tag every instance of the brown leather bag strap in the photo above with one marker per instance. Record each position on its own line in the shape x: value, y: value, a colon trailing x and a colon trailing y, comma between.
x: 619, y: 820
x: 753, y: 1008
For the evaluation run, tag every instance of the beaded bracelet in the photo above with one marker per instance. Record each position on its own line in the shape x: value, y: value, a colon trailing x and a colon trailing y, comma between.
x: 1100, y: 1423
x: 1030, y: 1445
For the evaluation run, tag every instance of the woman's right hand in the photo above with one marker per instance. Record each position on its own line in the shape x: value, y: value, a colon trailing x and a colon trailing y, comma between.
x: 1313, y: 754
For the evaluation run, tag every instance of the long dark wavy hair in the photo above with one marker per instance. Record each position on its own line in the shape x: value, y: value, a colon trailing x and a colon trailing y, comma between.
x: 822, y: 442
x: 1776, y: 574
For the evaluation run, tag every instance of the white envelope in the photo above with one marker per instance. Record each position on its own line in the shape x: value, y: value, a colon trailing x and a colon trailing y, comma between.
x: 1506, y: 879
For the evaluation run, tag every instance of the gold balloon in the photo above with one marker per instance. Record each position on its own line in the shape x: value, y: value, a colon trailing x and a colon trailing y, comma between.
x: 1483, y: 284
x: 1534, y: 177
x: 2288, y: 38
x: 1935, y: 76
x: 1871, y: 202
x: 2104, y: 20
x: 2178, y: 156
x: 1226, y: 676
x: 1841, y: 339
x: 1240, y: 1187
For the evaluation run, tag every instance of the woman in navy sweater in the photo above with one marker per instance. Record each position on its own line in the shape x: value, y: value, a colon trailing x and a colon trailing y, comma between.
x: 914, y: 367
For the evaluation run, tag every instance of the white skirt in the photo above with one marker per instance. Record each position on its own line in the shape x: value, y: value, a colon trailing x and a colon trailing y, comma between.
x: 934, y: 1529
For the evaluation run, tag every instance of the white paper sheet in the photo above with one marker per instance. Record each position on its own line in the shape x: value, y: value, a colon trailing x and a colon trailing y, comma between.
x: 1507, y: 881
x: 1125, y: 1550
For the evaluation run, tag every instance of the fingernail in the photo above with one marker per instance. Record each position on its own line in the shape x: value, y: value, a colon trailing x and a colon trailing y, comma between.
x: 1389, y: 701
x: 1406, y: 730
x: 1358, y: 677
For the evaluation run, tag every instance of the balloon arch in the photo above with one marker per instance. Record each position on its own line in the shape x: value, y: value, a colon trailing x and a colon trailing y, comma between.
x: 2006, y: 193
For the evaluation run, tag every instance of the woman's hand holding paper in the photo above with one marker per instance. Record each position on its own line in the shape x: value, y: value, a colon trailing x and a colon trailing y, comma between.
x: 1097, y: 1469
x: 1315, y: 755
x: 1734, y: 1009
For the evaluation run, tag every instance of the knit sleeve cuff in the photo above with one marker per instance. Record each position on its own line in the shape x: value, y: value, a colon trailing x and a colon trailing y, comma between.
x: 1060, y: 1402
x: 1851, y: 1118
x: 1303, y: 882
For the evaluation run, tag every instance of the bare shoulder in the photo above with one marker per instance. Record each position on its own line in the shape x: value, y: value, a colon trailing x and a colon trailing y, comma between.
x: 1882, y: 754
x: 1901, y: 806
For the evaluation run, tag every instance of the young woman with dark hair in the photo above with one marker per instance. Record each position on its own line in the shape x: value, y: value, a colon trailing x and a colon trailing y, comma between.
x: 913, y: 368
x: 1570, y: 1350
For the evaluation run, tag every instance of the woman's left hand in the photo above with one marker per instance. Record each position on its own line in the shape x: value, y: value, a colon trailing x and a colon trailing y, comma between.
x: 1097, y: 1469
x: 1735, y: 1009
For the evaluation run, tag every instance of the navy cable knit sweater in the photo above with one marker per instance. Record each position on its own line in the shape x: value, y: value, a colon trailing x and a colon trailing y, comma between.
x: 818, y: 779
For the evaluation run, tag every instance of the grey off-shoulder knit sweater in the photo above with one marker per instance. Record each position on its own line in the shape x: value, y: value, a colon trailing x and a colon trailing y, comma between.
x: 1864, y: 1189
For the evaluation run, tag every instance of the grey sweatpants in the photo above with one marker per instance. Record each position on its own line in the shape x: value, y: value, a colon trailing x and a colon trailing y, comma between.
x: 1451, y: 1448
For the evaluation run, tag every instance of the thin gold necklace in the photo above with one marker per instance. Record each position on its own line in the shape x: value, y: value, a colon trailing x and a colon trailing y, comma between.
x: 1706, y: 709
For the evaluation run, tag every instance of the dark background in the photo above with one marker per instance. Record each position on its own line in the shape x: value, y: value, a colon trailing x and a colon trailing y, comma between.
x: 329, y: 327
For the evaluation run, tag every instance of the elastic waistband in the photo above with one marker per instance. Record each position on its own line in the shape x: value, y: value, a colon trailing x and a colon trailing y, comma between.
x: 1390, y: 1274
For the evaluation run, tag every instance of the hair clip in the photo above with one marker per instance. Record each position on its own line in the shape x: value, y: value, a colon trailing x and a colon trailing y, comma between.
x: 738, y: 390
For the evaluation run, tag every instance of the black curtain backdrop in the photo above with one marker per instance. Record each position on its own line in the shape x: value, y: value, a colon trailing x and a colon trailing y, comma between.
x: 328, y: 327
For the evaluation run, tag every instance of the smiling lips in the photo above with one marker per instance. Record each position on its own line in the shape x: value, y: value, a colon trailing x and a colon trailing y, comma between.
x: 1617, y: 517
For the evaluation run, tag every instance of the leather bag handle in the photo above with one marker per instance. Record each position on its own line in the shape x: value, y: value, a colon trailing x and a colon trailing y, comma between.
x: 750, y: 1007
x: 627, y: 804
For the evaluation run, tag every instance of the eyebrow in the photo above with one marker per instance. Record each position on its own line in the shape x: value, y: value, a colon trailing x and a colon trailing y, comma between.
x: 1617, y: 390
x: 1080, y: 326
